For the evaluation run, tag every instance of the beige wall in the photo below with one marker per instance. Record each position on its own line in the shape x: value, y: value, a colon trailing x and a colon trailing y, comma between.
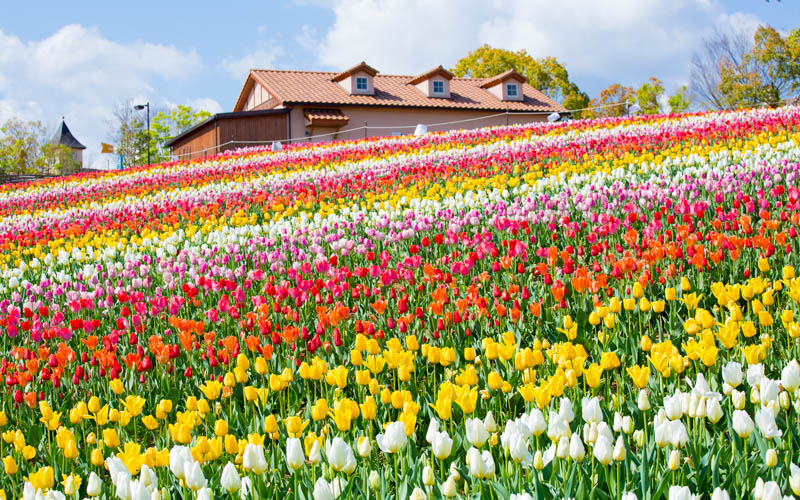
x: 403, y: 121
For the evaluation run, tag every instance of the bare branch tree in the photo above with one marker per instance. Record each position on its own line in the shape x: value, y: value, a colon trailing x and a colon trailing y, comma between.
x: 722, y: 49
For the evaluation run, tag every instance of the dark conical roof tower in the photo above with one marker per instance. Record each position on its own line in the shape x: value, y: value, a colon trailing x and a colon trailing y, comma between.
x: 65, y: 137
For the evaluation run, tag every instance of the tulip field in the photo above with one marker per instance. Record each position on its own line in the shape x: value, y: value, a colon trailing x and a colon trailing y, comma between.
x: 588, y: 309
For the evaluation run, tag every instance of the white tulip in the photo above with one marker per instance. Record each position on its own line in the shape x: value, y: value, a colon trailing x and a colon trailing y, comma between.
x: 737, y: 398
x: 565, y: 410
x: 449, y: 488
x: 295, y: 458
x: 619, y: 450
x: 732, y: 374
x: 562, y: 448
x: 427, y: 476
x: 340, y: 455
x: 674, y: 461
x: 433, y: 428
x: 591, y: 412
x: 94, y: 486
x: 518, y: 449
x: 442, y: 445
x: 364, y: 446
x: 771, y: 491
x: 322, y: 490
x: 193, y: 475
x: 417, y: 494
x: 643, y: 402
x: 754, y: 374
x: 742, y: 424
x: 794, y: 479
x: 771, y: 458
x: 629, y: 496
x: 394, y: 438
x: 315, y: 453
x: 790, y: 376
x: 177, y: 456
x: 374, y: 480
x: 253, y: 458
x: 148, y: 478
x: 476, y: 432
x: 720, y: 494
x: 205, y: 494
x: 617, y: 426
x: 680, y: 493
x: 576, y: 449
x: 230, y: 480
x: 603, y: 450
x: 673, y: 406
x: 489, y: 423
x: 557, y: 427
x: 535, y: 422
x: 713, y: 410
x: 766, y: 424
x: 521, y: 496
x: 247, y: 488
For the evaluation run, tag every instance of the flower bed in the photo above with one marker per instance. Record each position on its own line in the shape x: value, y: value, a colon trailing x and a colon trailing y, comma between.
x: 601, y: 307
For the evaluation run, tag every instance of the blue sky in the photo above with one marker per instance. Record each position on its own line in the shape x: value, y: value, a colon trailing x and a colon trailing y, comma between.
x: 80, y: 58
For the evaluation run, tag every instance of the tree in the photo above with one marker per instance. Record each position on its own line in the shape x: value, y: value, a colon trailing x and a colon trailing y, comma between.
x: 652, y: 99
x: 733, y: 72
x: 25, y: 149
x: 165, y: 126
x: 128, y: 131
x: 612, y: 101
x: 546, y: 74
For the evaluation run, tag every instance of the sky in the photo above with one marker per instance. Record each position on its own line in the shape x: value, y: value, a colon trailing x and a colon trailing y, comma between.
x: 80, y: 59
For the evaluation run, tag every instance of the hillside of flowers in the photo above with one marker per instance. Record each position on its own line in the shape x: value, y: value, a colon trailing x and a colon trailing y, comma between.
x: 605, y: 308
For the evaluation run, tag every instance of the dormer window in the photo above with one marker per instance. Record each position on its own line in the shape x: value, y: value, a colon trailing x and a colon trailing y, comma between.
x: 357, y: 80
x: 506, y: 86
x: 433, y: 83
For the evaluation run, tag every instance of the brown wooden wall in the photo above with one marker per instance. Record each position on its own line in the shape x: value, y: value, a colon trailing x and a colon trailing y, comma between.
x: 240, y: 130
x: 231, y: 132
x: 201, y: 142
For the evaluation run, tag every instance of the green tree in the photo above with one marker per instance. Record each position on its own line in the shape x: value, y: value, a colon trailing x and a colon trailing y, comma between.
x: 546, y: 74
x: 612, y: 101
x: 735, y: 72
x: 25, y: 149
x: 652, y: 99
x: 166, y: 125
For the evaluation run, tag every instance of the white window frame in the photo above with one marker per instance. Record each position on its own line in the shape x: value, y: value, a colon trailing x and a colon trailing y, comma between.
x: 511, y: 86
x: 441, y: 91
x: 360, y: 79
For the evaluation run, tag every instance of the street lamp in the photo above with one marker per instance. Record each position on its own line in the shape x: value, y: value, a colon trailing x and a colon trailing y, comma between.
x: 140, y: 107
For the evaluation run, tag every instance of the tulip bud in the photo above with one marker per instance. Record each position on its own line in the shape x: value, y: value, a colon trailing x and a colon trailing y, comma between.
x: 576, y: 449
x: 619, y: 450
x: 643, y: 402
x: 374, y: 480
x: 454, y: 472
x: 449, y: 488
x: 674, y: 460
x: 737, y: 398
x: 538, y: 460
x: 94, y: 486
x: 720, y: 494
x: 427, y: 476
x: 627, y: 424
x: 638, y: 438
x: 771, y: 458
x: 784, y: 400
x: 713, y: 411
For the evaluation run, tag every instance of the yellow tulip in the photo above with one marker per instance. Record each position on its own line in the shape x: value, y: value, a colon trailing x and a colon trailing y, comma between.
x: 10, y: 465
x: 295, y: 425
x: 320, y: 410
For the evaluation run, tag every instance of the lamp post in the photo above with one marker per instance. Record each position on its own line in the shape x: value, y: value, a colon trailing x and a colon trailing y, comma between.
x: 140, y: 107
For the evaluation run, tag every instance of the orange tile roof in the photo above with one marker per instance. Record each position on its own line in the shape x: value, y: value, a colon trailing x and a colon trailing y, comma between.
x: 324, y: 117
x: 505, y: 75
x: 317, y: 88
x: 439, y: 70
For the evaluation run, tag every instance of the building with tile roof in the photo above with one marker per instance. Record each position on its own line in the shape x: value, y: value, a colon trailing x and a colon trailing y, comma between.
x: 288, y: 105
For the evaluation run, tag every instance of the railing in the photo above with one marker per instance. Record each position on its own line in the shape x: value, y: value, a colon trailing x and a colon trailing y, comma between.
x: 19, y: 178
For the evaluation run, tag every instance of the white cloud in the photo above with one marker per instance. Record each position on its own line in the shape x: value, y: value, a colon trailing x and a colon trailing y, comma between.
x: 207, y: 104
x: 263, y: 56
x: 79, y: 74
x: 624, y: 41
